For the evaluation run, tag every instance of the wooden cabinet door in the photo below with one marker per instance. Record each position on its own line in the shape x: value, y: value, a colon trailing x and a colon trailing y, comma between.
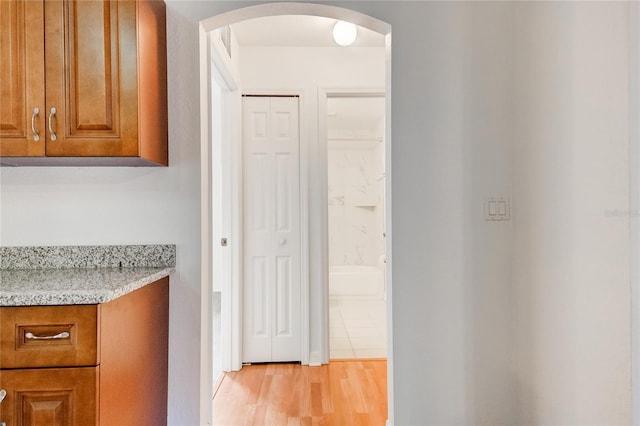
x: 91, y: 78
x: 21, y: 78
x: 51, y: 397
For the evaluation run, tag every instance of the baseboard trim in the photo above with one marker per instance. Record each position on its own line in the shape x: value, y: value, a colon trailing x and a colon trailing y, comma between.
x: 315, y: 360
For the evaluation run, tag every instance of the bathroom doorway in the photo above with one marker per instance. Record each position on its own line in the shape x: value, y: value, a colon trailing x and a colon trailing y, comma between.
x: 356, y: 225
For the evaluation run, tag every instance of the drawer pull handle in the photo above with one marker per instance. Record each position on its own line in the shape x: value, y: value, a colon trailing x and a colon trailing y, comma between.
x: 63, y: 335
x: 3, y: 393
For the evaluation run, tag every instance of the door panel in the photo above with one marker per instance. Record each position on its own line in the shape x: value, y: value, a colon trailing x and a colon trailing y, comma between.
x: 91, y: 78
x: 21, y: 78
x: 283, y: 195
x: 283, y: 296
x: 271, y: 189
x: 258, y: 292
x: 258, y: 163
x: 55, y: 396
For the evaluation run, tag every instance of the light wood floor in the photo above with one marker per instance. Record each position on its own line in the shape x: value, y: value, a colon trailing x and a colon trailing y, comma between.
x: 342, y: 393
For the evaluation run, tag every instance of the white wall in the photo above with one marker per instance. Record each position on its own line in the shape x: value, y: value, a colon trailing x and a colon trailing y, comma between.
x: 487, y: 126
x: 571, y: 180
x: 634, y: 200
x: 69, y: 206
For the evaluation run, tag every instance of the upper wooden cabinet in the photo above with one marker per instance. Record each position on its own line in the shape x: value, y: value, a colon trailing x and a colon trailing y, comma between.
x: 83, y: 82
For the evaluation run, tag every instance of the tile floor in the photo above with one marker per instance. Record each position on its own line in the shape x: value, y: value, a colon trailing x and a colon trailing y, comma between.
x: 358, y: 329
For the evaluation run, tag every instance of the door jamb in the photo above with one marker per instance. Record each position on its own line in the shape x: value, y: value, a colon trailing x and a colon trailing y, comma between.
x: 231, y: 315
x: 215, y: 65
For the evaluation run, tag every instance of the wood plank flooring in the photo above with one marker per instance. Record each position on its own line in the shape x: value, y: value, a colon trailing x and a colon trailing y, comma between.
x: 342, y: 393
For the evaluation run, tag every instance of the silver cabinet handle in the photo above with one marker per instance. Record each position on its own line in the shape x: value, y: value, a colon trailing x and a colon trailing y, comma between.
x: 3, y: 393
x: 51, y: 115
x: 63, y: 335
x: 36, y: 112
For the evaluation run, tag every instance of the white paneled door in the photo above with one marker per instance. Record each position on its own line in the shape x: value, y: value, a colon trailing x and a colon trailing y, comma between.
x: 271, y: 229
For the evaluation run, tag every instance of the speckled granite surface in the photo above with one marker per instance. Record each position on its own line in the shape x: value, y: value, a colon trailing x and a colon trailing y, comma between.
x: 79, y: 275
x: 74, y: 286
x: 87, y: 256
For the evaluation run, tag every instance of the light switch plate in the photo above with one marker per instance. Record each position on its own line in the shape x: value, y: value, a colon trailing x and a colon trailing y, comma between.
x: 497, y: 209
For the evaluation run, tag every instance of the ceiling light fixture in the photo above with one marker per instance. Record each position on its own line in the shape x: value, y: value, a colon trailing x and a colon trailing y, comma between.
x: 344, y: 33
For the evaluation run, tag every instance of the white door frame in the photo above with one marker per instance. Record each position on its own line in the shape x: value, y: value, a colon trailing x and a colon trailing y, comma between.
x: 217, y: 66
x: 231, y: 304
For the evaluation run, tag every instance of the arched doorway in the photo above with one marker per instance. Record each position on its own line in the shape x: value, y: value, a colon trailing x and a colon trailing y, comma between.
x: 316, y: 288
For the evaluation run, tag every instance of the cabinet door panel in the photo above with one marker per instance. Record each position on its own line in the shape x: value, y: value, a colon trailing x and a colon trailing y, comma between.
x: 21, y: 77
x: 57, y: 396
x: 91, y: 78
x: 51, y: 408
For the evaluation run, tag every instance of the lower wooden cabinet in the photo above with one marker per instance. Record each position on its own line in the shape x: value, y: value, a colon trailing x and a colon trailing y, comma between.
x: 84, y: 365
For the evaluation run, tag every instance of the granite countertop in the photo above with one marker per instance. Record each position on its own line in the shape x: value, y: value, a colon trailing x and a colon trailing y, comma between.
x: 76, y: 275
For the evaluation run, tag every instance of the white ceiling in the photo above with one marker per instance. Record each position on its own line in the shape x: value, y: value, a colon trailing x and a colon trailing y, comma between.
x: 297, y: 30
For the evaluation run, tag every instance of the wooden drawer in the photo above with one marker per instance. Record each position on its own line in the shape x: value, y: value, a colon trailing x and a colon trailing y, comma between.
x: 50, y: 396
x: 48, y: 336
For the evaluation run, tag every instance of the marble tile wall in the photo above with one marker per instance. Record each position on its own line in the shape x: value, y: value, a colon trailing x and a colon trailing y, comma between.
x: 355, y: 193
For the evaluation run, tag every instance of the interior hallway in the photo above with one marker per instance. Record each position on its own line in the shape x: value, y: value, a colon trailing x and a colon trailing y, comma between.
x: 340, y: 393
